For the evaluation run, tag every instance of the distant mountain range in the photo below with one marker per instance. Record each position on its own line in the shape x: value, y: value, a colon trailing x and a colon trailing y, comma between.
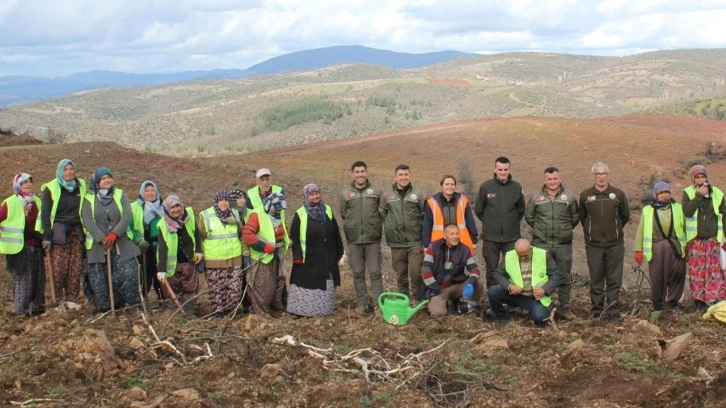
x: 22, y: 89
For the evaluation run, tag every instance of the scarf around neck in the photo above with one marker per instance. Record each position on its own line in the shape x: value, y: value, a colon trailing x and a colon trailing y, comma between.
x: 316, y: 211
x: 174, y: 224
x: 69, y: 186
x: 152, y: 209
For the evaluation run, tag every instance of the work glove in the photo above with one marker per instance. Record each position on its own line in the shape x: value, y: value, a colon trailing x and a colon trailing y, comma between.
x: 269, y: 248
x: 143, y: 245
x: 297, y: 261
x: 198, y: 258
x: 433, y: 292
x: 639, y: 257
x: 110, y: 240
x: 161, y: 276
x: 46, y: 245
x: 200, y: 266
x: 246, y: 261
x: 468, y: 291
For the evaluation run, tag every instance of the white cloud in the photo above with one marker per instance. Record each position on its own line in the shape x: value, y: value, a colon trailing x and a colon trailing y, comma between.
x: 66, y: 36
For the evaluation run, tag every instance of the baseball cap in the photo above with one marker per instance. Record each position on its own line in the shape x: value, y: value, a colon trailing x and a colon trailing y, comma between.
x: 263, y: 172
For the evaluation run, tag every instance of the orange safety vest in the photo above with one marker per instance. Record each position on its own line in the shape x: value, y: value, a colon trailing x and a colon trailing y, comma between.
x: 437, y: 231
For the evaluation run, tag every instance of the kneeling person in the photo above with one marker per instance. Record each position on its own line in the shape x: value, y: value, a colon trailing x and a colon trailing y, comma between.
x: 525, y: 278
x: 449, y: 271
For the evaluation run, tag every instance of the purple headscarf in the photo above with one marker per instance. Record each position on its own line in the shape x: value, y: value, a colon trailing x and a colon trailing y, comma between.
x: 222, y: 195
x: 315, y: 211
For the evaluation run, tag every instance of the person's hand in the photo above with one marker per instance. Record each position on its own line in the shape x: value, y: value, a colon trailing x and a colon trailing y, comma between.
x: 46, y: 245
x: 198, y: 258
x: 468, y: 291
x: 109, y: 240
x: 702, y: 189
x: 246, y: 261
x: 514, y: 289
x: 297, y: 261
x: 639, y: 257
x: 539, y: 293
x: 161, y: 276
x: 269, y: 248
x: 143, y: 245
x: 433, y: 293
x: 343, y: 260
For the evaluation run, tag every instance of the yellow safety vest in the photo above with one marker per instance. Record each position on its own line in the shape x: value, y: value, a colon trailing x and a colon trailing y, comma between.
x: 172, y: 241
x: 648, y: 214
x: 12, y: 230
x: 267, y: 234
x: 692, y: 222
x: 222, y: 240
x: 55, y: 191
x: 303, y: 215
x: 256, y: 201
x: 539, y: 270
x: 91, y: 198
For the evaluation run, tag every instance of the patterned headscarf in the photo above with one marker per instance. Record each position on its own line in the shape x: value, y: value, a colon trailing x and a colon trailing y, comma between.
x: 105, y: 195
x: 315, y: 211
x: 274, y: 201
x: 70, y: 186
x: 222, y: 195
x: 152, y: 209
x: 235, y: 195
x: 26, y: 198
x: 174, y: 224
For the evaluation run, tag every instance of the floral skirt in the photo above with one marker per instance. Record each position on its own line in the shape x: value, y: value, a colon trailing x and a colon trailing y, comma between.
x: 704, y: 270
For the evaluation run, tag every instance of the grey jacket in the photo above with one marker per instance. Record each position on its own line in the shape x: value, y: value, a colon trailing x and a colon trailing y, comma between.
x: 105, y: 220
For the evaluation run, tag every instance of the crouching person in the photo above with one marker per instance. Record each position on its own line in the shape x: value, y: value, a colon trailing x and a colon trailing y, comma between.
x: 449, y: 271
x: 180, y: 248
x: 525, y: 278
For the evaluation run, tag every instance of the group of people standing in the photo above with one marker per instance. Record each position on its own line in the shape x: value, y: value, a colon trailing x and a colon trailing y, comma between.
x: 93, y: 237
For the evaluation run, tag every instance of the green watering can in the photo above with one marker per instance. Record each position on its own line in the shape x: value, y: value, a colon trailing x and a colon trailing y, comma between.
x: 395, y: 307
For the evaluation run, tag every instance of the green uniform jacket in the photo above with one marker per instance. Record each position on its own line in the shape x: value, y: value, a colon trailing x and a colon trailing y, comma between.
x: 362, y: 223
x: 603, y: 215
x: 402, y: 218
x: 500, y: 207
x: 552, y: 220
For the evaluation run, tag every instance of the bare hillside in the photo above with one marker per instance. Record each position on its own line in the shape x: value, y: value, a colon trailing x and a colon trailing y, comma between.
x: 208, y: 118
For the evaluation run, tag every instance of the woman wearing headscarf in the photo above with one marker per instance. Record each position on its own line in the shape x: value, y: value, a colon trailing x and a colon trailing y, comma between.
x: 316, y: 249
x: 179, y: 249
x: 22, y: 246
x: 703, y: 207
x: 106, y: 216
x: 239, y: 203
x: 220, y: 228
x: 266, y: 236
x: 661, y: 240
x: 60, y: 224
x: 147, y: 212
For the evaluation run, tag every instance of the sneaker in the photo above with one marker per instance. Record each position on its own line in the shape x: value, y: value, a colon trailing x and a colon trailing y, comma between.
x: 614, y: 320
x: 565, y: 313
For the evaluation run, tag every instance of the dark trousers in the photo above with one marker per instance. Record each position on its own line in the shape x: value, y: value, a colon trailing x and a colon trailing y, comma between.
x: 606, y: 278
x: 493, y: 252
x: 563, y: 258
x: 407, y: 264
x: 498, y: 296
x: 148, y: 273
x: 667, y: 272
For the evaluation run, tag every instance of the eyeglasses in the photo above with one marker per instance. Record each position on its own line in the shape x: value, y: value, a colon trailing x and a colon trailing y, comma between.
x: 600, y: 174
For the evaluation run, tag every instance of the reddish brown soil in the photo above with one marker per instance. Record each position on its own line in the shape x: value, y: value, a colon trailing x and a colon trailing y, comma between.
x: 60, y: 358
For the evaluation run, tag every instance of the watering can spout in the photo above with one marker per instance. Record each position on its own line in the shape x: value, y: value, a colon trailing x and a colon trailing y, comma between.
x: 412, y: 311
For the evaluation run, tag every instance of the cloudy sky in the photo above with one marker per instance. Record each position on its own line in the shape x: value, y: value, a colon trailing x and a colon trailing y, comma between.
x: 60, y: 37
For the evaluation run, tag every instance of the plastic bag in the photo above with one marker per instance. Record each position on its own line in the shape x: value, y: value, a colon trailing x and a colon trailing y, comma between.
x: 716, y: 312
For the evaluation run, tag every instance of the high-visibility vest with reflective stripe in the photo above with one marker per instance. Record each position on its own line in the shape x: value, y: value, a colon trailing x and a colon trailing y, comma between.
x: 256, y: 201
x: 692, y: 222
x: 222, y: 241
x: 303, y: 215
x: 267, y: 234
x: 172, y: 241
x: 55, y: 192
x: 437, y: 231
x: 539, y: 270
x: 137, y: 221
x: 12, y: 230
x: 677, y: 227
x: 91, y: 198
